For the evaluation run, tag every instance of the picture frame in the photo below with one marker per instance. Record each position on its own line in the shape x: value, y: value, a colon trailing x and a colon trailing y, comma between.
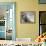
x: 27, y: 17
x: 7, y: 23
x: 42, y: 1
x: 42, y: 22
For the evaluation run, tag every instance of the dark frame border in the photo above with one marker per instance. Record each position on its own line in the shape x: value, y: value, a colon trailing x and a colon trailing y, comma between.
x: 39, y: 23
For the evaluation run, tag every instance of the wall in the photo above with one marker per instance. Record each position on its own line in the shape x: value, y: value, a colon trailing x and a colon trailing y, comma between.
x: 27, y: 30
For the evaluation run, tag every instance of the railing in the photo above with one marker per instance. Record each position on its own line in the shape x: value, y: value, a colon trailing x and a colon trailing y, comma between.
x: 14, y: 43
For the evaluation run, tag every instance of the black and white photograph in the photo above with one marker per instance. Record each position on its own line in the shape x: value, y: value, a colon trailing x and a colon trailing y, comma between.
x: 27, y: 17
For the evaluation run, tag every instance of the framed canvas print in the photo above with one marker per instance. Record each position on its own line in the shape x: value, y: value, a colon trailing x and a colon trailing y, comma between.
x: 7, y: 20
x: 27, y: 17
x: 42, y: 1
x: 42, y: 22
